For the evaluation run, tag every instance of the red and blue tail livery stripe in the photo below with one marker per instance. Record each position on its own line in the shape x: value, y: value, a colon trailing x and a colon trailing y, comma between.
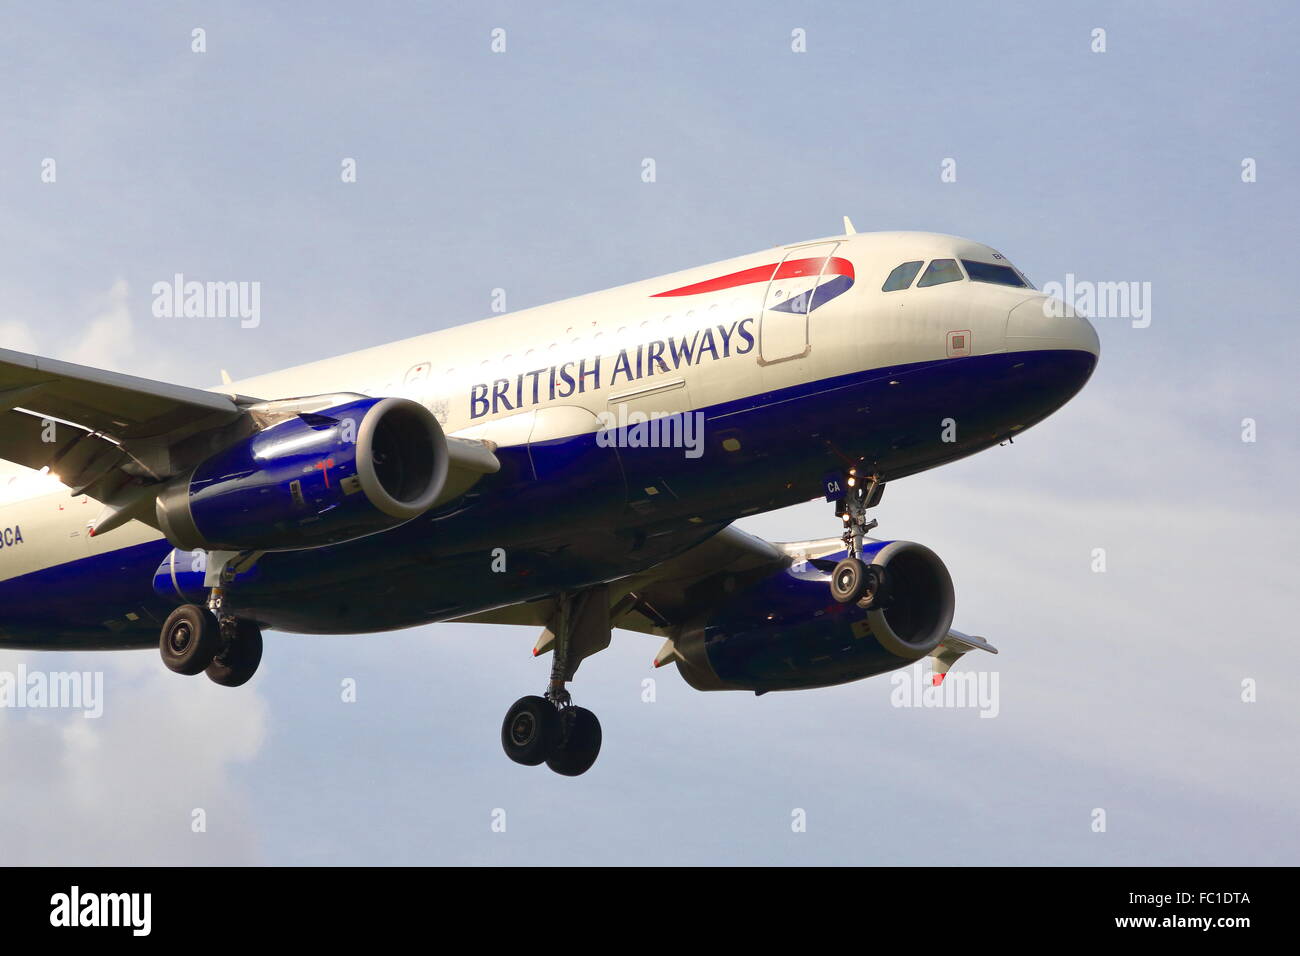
x: 837, y: 271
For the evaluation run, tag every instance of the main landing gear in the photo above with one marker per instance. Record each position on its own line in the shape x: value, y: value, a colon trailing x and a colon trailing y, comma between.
x: 209, y: 640
x: 853, y: 581
x: 551, y: 729
x: 194, y: 641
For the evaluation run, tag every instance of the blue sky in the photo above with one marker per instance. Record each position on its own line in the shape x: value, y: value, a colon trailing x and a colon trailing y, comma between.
x: 521, y: 171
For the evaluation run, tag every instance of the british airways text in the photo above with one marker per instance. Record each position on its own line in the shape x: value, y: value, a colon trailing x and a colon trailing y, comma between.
x: 649, y: 358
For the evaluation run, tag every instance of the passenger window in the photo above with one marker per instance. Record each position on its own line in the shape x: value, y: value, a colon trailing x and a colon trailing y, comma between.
x: 901, y: 277
x: 939, y: 272
x: 990, y: 272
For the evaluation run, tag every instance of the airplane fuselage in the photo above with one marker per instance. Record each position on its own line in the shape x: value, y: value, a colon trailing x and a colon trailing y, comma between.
x: 774, y: 369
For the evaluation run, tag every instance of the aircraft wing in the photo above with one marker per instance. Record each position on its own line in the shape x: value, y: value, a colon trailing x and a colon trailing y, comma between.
x: 117, y: 438
x: 103, y: 434
x: 656, y: 600
x: 669, y: 594
x: 108, y: 403
x: 661, y: 599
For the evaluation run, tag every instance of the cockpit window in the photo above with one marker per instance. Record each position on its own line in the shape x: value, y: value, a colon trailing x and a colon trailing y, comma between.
x: 988, y: 272
x: 902, y: 276
x: 939, y: 272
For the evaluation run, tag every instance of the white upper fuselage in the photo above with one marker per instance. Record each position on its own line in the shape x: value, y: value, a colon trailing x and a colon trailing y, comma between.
x: 862, y: 328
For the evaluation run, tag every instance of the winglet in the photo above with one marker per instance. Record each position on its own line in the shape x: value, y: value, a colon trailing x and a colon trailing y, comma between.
x: 848, y: 227
x: 225, y: 377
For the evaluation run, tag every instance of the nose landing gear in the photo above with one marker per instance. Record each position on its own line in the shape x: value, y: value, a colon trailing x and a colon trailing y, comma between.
x: 853, y: 581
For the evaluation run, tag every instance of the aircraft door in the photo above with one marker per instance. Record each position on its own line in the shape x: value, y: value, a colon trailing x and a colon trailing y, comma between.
x: 783, y: 329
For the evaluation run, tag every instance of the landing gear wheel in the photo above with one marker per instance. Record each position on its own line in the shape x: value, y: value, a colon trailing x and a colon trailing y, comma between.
x: 238, y: 661
x: 848, y: 580
x: 579, y: 750
x: 853, y: 582
x: 191, y: 637
x: 530, y: 731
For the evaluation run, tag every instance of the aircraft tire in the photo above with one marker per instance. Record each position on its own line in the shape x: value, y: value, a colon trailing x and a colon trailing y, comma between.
x: 848, y: 581
x: 853, y: 582
x: 238, y: 662
x: 580, y: 748
x: 190, y: 639
x: 530, y: 731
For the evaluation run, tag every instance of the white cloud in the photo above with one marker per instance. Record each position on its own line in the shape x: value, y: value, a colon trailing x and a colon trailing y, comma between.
x: 101, y: 334
x: 15, y: 334
x: 106, y: 340
x: 122, y: 788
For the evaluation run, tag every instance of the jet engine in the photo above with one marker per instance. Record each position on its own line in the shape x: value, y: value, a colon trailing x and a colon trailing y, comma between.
x: 785, y: 632
x: 311, y: 479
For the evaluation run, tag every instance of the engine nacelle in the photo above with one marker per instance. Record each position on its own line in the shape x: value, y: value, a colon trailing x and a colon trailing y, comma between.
x: 785, y: 632
x: 310, y: 480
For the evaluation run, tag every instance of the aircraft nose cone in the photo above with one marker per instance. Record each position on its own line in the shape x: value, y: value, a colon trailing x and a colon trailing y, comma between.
x: 1045, y: 323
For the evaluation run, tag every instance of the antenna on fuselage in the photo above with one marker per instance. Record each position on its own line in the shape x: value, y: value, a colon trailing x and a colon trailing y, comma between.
x: 848, y: 227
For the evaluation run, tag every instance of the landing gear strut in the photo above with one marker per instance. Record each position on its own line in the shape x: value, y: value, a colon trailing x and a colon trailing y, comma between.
x: 551, y: 729
x: 209, y: 639
x: 854, y: 581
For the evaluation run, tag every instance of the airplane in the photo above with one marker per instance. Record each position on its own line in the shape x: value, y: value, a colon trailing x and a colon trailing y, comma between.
x: 577, y: 467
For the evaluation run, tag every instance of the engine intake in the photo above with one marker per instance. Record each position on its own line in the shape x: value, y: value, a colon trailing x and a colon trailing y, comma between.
x: 920, y: 602
x: 314, y: 479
